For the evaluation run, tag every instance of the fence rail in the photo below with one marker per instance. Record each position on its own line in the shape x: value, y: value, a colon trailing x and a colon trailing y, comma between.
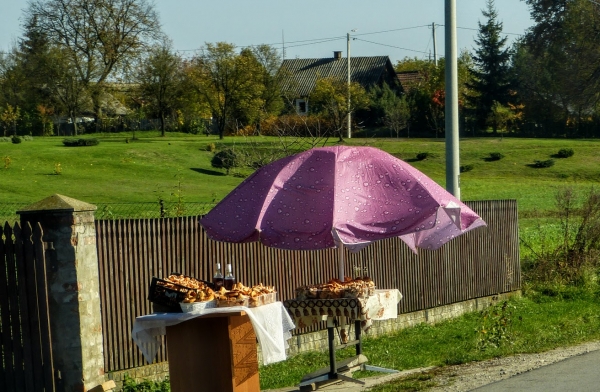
x: 480, y: 263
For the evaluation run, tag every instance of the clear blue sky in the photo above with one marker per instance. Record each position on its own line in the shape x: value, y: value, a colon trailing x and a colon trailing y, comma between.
x: 396, y: 28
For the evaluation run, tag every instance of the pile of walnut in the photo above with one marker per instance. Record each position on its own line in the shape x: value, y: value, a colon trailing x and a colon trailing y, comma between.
x: 349, y: 288
x: 242, y: 295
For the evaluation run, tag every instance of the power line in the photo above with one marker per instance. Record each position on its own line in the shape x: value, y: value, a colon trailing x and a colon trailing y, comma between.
x: 391, y: 46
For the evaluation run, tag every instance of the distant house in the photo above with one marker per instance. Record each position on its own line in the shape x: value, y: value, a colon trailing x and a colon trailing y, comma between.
x: 409, y: 79
x: 301, y: 75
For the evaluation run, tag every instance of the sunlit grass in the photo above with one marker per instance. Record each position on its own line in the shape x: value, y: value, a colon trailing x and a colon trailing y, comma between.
x: 536, y: 326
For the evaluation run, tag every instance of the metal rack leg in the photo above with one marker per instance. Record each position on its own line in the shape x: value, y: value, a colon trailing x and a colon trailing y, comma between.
x: 331, y: 342
x: 358, y: 336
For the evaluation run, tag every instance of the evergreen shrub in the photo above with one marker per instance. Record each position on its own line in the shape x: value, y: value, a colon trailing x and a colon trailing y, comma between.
x: 466, y: 168
x: 565, y: 153
x: 543, y: 164
x: 423, y: 155
x: 225, y: 159
x: 495, y: 156
x: 81, y: 142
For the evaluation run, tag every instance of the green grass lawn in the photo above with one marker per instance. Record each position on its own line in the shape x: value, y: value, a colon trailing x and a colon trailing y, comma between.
x: 152, y: 166
x: 532, y: 326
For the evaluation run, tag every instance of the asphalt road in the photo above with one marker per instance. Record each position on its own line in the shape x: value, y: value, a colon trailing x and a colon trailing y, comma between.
x: 580, y: 373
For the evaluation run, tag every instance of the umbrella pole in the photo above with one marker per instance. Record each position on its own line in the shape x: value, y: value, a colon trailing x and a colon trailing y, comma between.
x: 341, y: 263
x: 343, y: 333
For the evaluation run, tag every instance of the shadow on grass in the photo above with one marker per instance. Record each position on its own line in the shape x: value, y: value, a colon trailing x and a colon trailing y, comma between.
x: 412, y: 160
x: 208, y: 172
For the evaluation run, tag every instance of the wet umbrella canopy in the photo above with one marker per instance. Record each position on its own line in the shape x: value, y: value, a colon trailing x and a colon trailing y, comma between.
x: 328, y: 196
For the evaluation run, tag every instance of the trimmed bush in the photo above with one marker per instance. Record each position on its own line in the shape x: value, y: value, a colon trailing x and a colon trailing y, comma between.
x: 225, y: 159
x: 466, y: 168
x: 495, y: 156
x: 16, y: 140
x: 211, y: 147
x: 81, y: 142
x: 422, y: 156
x: 565, y: 153
x: 542, y: 164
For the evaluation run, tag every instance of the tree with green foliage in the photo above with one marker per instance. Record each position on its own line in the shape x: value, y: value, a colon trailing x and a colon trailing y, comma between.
x: 557, y: 67
x: 502, y: 116
x: 160, y: 82
x: 35, y: 57
x: 99, y: 38
x: 491, y: 69
x: 12, y: 79
x: 67, y: 92
x: 425, y: 95
x: 230, y: 84
x: 9, y: 117
x: 270, y: 61
x: 329, y: 99
x: 391, y: 108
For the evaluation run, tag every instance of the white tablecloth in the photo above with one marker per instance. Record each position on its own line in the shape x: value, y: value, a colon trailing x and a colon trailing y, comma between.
x: 272, y: 325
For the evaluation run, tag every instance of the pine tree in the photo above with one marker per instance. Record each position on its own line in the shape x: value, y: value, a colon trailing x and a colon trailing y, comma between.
x: 491, y: 69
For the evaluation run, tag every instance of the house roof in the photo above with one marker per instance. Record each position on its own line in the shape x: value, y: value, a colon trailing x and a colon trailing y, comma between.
x: 409, y: 79
x: 366, y: 71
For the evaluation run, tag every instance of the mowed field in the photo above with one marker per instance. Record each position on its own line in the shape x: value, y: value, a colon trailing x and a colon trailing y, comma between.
x: 120, y: 170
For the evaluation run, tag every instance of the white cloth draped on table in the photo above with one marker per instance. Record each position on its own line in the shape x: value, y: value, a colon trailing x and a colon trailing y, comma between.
x: 272, y: 325
x: 382, y: 305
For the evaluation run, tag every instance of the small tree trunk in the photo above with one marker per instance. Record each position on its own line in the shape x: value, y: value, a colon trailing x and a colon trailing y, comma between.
x: 74, y: 121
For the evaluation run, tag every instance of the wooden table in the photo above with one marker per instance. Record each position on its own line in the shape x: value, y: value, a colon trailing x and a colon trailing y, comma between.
x: 215, y: 352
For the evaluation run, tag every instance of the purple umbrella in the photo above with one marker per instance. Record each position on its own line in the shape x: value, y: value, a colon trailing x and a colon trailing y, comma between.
x: 329, y: 196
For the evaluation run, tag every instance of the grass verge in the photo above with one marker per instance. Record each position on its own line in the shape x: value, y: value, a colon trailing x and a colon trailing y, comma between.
x: 524, y: 326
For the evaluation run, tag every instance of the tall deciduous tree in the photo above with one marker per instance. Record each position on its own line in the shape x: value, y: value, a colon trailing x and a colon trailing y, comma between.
x: 558, y: 65
x: 330, y: 99
x: 270, y: 62
x: 230, y: 84
x: 160, y: 81
x: 491, y: 68
x: 67, y: 92
x: 12, y: 79
x: 99, y: 36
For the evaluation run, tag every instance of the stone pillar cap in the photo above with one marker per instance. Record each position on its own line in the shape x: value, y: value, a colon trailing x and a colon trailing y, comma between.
x: 58, y: 202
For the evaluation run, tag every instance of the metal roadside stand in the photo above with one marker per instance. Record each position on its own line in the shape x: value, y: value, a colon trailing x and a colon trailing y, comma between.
x: 336, y: 370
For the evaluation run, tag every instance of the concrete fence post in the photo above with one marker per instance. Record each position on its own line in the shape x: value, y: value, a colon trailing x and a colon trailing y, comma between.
x: 74, y: 290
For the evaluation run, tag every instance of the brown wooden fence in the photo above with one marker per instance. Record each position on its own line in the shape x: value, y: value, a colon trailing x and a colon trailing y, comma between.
x: 25, y: 341
x: 480, y: 263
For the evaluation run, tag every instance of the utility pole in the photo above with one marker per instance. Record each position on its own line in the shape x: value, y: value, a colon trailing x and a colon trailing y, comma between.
x: 452, y: 151
x: 282, y: 46
x: 434, y: 45
x: 349, y: 113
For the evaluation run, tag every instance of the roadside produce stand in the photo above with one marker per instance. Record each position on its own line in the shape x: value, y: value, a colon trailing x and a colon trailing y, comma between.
x: 212, y: 334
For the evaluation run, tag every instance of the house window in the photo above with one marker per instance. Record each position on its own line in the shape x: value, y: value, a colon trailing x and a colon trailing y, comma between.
x: 301, y: 106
